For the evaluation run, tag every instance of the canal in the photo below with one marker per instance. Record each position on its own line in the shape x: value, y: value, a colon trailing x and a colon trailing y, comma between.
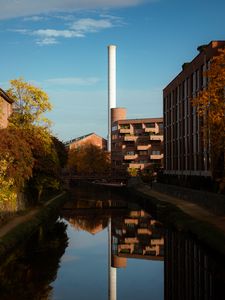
x: 106, y: 246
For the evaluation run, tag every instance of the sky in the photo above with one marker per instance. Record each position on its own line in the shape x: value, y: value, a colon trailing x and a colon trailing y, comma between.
x: 61, y: 47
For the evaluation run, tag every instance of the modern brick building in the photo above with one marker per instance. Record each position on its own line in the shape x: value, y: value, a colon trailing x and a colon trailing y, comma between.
x: 5, y: 108
x: 185, y: 153
x: 136, y: 143
x: 90, y: 138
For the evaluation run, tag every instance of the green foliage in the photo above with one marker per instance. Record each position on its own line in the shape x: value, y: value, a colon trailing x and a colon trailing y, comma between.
x: 61, y: 151
x: 133, y: 172
x: 47, y: 165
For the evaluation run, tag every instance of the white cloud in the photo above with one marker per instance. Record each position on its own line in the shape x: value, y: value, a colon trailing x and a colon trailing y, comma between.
x: 56, y: 33
x: 34, y: 18
x: 23, y: 8
x: 91, y: 25
x: 73, y: 81
x: 47, y: 41
x: 76, y: 29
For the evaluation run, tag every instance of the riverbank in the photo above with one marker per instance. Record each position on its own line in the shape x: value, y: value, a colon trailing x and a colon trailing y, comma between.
x: 207, y: 226
x: 21, y: 228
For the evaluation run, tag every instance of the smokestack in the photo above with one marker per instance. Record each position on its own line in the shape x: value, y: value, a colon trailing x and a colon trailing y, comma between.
x: 111, y: 87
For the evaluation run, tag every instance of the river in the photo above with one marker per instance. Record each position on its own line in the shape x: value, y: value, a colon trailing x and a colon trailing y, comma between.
x: 105, y: 246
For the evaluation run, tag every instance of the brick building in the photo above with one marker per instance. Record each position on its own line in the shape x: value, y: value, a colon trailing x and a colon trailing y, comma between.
x: 136, y: 143
x: 185, y: 153
x: 5, y: 108
x: 90, y: 138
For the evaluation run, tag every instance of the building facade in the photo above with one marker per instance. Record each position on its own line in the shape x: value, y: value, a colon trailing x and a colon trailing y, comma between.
x: 5, y: 108
x: 90, y: 138
x: 185, y: 151
x: 136, y: 143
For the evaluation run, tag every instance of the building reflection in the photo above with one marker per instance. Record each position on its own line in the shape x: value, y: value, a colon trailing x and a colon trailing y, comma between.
x: 191, y: 270
x: 137, y: 235
x: 132, y: 233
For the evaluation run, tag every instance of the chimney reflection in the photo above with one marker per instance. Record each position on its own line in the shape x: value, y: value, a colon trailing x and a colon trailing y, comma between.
x: 133, y: 235
x: 190, y: 270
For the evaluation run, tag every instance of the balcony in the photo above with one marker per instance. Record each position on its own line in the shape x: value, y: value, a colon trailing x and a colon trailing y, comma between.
x: 156, y: 138
x: 156, y: 156
x: 125, y: 130
x: 143, y: 147
x: 150, y: 129
x: 131, y: 240
x: 130, y: 156
x: 145, y: 231
x: 130, y: 138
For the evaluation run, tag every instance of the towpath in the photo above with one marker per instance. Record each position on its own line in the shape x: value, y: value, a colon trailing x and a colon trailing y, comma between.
x: 15, y: 221
x: 189, y: 208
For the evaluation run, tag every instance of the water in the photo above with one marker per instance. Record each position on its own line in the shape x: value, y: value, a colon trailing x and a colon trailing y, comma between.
x: 106, y: 247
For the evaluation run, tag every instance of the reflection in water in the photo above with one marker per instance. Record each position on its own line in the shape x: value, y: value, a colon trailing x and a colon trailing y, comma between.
x: 27, y: 273
x: 141, y: 253
x: 191, y: 271
x: 132, y: 233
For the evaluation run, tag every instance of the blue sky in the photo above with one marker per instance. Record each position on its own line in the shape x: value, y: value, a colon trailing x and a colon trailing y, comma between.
x: 61, y: 46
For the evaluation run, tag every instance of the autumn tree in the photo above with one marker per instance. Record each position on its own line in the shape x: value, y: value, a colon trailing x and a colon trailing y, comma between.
x: 30, y: 104
x: 210, y: 105
x: 88, y: 160
x: 16, y: 163
x: 46, y: 171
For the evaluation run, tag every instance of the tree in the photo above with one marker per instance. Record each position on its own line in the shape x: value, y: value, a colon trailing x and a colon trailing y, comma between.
x: 88, y: 160
x: 210, y: 105
x: 61, y: 151
x: 46, y: 173
x: 16, y: 163
x: 30, y: 103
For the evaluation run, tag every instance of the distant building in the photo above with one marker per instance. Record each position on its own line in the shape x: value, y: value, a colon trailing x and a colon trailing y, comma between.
x: 5, y: 108
x: 185, y: 152
x: 136, y: 143
x: 90, y: 138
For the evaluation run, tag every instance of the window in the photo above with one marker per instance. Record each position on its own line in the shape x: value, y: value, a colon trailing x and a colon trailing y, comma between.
x: 150, y: 125
x: 125, y: 126
x: 137, y: 126
x: 156, y: 152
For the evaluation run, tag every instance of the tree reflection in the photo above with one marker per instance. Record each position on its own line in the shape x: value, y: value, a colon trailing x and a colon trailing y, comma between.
x: 28, y: 273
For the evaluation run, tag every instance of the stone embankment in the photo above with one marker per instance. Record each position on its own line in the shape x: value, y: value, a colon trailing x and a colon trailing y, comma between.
x: 21, y: 228
x: 206, y: 222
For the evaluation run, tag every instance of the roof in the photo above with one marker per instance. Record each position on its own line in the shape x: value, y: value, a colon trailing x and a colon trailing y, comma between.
x: 136, y: 121
x: 5, y: 96
x: 82, y: 138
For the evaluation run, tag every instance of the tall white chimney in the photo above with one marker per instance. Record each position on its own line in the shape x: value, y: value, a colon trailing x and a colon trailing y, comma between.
x: 111, y: 87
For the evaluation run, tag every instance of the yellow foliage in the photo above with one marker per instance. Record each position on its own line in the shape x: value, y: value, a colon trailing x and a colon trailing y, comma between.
x: 210, y: 105
x: 8, y: 195
x: 30, y: 103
